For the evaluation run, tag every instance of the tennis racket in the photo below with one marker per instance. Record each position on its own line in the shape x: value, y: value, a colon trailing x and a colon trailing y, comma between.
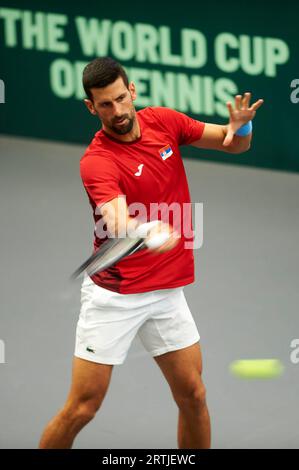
x: 113, y: 250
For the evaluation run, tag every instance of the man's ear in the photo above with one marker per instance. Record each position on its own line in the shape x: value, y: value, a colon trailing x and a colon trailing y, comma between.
x: 90, y: 107
x: 132, y: 90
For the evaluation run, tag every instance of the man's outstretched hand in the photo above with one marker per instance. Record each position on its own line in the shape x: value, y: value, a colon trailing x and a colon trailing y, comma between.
x: 240, y: 115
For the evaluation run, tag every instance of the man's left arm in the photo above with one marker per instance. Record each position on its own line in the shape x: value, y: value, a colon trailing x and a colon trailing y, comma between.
x: 223, y: 138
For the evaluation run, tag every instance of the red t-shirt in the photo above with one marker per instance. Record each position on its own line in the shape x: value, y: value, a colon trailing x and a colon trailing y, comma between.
x: 148, y: 170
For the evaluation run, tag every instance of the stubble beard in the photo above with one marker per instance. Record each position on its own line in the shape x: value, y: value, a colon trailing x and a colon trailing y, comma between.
x: 124, y: 129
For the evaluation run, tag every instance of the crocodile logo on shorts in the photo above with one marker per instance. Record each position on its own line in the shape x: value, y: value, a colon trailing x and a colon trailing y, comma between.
x: 90, y: 349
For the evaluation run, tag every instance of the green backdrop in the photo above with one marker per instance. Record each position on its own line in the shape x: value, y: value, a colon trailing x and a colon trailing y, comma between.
x: 192, y: 56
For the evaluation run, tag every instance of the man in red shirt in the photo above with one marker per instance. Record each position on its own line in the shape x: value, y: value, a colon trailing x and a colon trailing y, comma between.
x: 134, y: 164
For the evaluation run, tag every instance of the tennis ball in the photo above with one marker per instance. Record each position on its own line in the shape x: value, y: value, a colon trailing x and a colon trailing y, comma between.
x: 256, y: 368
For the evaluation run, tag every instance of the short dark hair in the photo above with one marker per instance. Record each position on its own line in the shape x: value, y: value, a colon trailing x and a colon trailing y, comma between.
x: 102, y: 72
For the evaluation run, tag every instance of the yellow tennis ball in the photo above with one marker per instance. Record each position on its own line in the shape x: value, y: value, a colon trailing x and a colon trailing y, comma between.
x: 256, y: 368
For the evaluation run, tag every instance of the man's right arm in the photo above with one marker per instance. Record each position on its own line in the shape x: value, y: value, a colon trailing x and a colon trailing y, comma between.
x: 119, y: 223
x: 116, y: 216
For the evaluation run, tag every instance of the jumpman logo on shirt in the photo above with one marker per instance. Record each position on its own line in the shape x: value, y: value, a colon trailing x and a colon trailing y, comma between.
x: 140, y: 167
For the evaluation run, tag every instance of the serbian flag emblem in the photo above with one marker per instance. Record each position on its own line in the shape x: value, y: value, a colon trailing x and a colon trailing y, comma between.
x: 165, y: 152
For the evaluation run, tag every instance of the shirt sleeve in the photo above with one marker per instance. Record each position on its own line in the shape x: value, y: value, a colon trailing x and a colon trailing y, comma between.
x: 185, y: 129
x: 101, y: 179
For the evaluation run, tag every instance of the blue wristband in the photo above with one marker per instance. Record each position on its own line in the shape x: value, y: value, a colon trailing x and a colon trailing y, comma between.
x: 244, y: 130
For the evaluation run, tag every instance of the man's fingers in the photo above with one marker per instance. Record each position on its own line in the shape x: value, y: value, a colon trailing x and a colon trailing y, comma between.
x: 168, y: 245
x: 256, y: 105
x: 228, y: 139
x: 238, y: 101
x: 246, y: 100
x: 171, y: 243
x: 229, y: 107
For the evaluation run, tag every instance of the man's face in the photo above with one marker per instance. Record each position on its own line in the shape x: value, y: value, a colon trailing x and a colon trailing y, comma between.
x: 114, y: 106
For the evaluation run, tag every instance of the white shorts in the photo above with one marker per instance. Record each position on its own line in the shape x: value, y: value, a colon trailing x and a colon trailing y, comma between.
x: 109, y: 321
